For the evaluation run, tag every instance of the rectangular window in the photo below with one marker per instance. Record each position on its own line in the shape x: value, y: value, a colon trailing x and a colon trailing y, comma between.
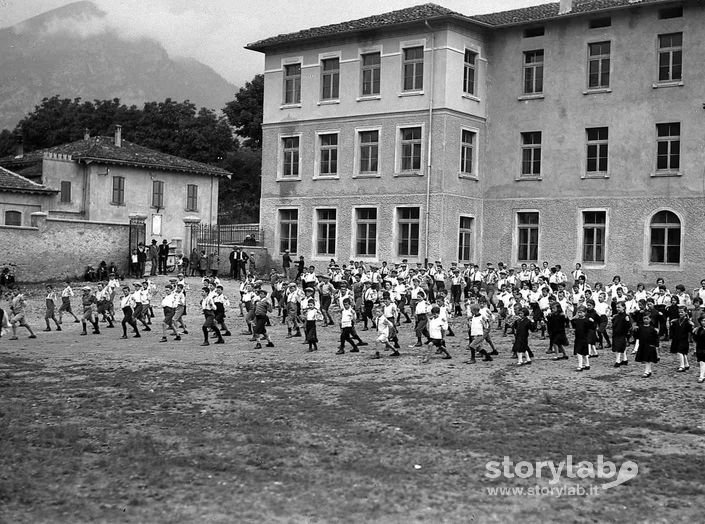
x: 191, y: 197
x: 371, y: 74
x: 597, y: 150
x: 531, y: 153
x: 467, y: 152
x: 528, y: 236
x: 670, y: 57
x: 65, y: 192
x: 157, y: 193
x: 594, y: 225
x: 292, y: 84
x: 668, y: 147
x: 369, y: 151
x: 413, y: 69
x: 670, y: 12
x: 465, y: 239
x: 410, y: 149
x: 409, y: 219
x: 366, y: 232
x: 329, y: 154
x: 533, y: 72
x: 290, y: 156
x: 533, y: 32
x: 326, y: 232
x: 288, y: 230
x: 13, y: 218
x: 330, y: 79
x: 597, y: 23
x: 118, y: 190
x: 469, y: 72
x: 599, y: 65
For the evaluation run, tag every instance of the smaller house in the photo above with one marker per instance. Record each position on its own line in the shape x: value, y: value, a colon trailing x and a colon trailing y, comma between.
x: 20, y: 197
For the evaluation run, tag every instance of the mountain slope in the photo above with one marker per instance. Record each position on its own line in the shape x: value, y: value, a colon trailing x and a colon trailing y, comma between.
x: 55, y: 53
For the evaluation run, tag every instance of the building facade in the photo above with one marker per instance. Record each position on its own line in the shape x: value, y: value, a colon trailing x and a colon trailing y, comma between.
x: 107, y: 180
x: 571, y: 132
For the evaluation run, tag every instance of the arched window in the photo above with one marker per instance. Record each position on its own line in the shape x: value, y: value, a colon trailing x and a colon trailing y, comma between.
x: 13, y: 218
x: 665, y: 239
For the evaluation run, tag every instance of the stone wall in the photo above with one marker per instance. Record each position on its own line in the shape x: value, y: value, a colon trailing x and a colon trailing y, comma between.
x: 55, y: 249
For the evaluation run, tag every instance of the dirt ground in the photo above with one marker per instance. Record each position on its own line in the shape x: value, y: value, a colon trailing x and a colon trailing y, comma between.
x: 98, y: 429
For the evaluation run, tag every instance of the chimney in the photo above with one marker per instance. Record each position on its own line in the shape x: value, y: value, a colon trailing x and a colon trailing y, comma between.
x: 565, y: 7
x: 118, y: 135
x: 19, y: 148
x: 86, y: 134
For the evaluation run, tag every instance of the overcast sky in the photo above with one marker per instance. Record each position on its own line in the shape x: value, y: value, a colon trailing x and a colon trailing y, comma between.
x: 215, y: 31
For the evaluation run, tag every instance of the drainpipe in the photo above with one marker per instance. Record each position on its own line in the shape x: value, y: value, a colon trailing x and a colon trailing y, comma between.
x: 429, y: 136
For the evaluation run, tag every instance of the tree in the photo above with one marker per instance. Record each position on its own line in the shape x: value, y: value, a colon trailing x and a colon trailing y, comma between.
x: 239, y: 196
x: 245, y: 112
x: 176, y: 128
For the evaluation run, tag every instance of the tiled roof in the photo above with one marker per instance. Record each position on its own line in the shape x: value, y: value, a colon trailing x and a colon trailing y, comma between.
x: 102, y: 149
x: 543, y: 12
x: 14, y: 183
x: 424, y: 12
x: 29, y: 165
x: 417, y: 13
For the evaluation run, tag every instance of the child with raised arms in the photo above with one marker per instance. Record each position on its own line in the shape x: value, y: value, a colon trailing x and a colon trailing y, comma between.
x: 50, y: 301
x: 127, y: 304
x: 437, y: 328
x: 384, y: 327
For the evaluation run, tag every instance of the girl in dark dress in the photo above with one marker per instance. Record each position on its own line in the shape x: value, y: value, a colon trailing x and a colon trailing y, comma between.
x: 593, y: 323
x: 648, y: 340
x: 581, y: 325
x: 680, y: 331
x: 555, y: 322
x: 672, y: 314
x: 699, y: 338
x: 310, y: 310
x: 621, y: 325
x: 523, y: 325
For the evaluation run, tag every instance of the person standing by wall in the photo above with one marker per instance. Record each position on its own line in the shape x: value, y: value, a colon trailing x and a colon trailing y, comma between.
x: 141, y: 259
x: 286, y: 265
x: 234, y: 263
x: 163, y: 256
x: 154, y: 257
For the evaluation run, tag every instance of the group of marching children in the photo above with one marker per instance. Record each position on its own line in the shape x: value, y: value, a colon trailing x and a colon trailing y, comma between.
x: 524, y: 302
x: 644, y: 317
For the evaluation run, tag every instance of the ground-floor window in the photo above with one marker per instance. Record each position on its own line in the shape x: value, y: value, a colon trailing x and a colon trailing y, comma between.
x: 665, y: 241
x: 528, y: 236
x: 288, y: 230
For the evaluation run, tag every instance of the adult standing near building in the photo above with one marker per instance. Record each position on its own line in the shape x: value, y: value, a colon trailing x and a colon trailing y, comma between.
x: 163, y: 256
x: 195, y: 258
x: 234, y: 263
x: 141, y: 259
x: 286, y: 264
x: 154, y: 257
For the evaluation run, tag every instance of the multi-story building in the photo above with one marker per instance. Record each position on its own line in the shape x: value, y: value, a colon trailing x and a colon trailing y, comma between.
x: 568, y: 132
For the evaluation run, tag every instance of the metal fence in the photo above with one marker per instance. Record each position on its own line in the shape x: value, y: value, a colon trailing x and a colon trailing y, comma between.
x: 225, y: 234
x: 243, y: 234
